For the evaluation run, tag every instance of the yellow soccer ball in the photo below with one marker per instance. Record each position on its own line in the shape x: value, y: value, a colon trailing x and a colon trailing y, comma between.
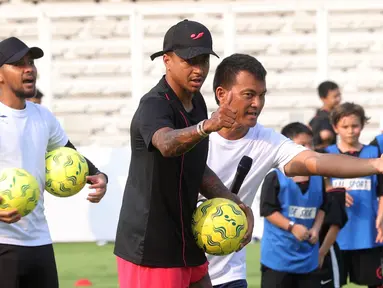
x: 19, y: 190
x: 65, y: 172
x: 219, y: 226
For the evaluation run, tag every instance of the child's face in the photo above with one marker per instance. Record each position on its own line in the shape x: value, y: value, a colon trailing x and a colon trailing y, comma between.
x: 305, y: 140
x: 333, y: 98
x: 349, y: 128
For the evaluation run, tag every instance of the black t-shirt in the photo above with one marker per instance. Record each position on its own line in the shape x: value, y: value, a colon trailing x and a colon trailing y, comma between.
x: 161, y: 193
x: 320, y: 122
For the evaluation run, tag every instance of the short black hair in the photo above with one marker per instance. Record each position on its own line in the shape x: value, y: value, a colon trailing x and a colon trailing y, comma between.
x: 325, y: 87
x: 293, y: 129
x: 39, y: 94
x: 226, y: 72
x: 347, y: 109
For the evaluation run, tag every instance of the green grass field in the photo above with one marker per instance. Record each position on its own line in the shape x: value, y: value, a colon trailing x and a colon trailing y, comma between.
x: 98, y: 264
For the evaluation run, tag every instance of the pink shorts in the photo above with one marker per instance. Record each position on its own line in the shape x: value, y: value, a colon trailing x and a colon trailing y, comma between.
x: 135, y: 276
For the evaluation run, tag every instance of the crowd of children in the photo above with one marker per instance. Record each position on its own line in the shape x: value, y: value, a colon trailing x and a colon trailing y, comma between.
x: 335, y: 230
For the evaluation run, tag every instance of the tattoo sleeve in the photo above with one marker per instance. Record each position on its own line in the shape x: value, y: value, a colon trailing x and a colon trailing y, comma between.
x: 175, y: 142
x: 212, y: 187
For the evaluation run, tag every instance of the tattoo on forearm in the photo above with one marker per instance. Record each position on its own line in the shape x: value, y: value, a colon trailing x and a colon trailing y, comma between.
x: 212, y: 186
x: 173, y: 143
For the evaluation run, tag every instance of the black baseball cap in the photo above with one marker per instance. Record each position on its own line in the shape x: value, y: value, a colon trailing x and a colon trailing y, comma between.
x: 187, y: 39
x: 13, y: 49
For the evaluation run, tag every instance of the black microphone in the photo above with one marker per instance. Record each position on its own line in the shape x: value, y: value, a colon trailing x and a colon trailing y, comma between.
x: 242, y: 170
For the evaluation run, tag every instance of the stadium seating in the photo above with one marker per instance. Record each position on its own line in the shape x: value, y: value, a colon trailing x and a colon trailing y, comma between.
x: 99, y: 68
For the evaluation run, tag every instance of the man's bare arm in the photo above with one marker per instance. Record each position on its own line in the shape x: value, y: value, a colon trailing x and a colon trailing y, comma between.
x: 172, y: 143
x: 332, y: 165
x: 175, y: 142
x: 212, y: 187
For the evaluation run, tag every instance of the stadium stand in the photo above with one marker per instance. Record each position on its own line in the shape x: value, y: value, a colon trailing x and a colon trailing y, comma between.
x: 100, y: 51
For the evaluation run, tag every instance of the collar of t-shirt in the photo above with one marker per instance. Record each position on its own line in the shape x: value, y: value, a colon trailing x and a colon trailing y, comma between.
x: 304, y: 186
x: 351, y: 153
x: 172, y: 95
x: 234, y: 144
x: 165, y: 88
x: 323, y: 113
x: 6, y: 111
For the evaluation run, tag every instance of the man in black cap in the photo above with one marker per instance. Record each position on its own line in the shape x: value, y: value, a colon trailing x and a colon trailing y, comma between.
x: 27, y: 131
x: 169, y: 141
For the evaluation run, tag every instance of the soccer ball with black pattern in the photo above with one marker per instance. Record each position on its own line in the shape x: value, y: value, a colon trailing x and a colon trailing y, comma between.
x: 19, y: 190
x: 65, y: 172
x: 219, y: 226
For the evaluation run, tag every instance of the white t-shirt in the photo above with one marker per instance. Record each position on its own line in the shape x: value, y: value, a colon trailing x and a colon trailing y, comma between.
x: 25, y: 136
x: 268, y: 149
x: 258, y: 220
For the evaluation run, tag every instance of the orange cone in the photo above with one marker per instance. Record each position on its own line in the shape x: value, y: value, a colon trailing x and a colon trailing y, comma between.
x: 83, y: 283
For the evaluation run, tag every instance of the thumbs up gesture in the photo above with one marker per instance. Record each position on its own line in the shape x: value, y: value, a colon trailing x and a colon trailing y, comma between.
x: 224, y: 117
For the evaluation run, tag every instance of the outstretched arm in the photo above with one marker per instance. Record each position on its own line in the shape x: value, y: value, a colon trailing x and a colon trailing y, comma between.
x: 332, y: 165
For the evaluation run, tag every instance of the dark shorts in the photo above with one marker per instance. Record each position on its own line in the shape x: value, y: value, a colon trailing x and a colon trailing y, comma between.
x: 28, y: 267
x: 234, y: 284
x: 276, y: 279
x: 363, y: 267
x: 331, y: 273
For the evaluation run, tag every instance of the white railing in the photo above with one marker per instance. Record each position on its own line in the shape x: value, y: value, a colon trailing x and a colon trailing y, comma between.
x: 92, y: 224
x: 136, y: 11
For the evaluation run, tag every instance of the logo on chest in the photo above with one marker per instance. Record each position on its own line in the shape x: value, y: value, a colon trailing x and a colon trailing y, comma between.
x: 353, y: 184
x: 302, y: 212
x: 3, y: 118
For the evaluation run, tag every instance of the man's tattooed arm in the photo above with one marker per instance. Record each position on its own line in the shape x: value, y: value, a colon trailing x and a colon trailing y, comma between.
x: 212, y: 187
x: 172, y: 143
